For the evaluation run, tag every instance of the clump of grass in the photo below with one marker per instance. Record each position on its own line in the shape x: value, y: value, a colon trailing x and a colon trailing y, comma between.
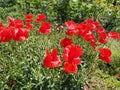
x: 101, y: 81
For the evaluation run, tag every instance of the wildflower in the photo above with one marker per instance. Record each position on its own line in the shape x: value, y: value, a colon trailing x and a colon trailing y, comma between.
x: 89, y: 37
x: 19, y: 34
x: 29, y: 26
x: 65, y: 42
x: 15, y: 23
x: 71, y: 56
x: 40, y: 18
x: 100, y: 30
x: 5, y: 34
x: 105, y: 54
x: 105, y: 59
x: 52, y: 60
x: 72, y: 28
x: 29, y: 18
x: 45, y: 28
x: 72, y: 51
x: 113, y: 35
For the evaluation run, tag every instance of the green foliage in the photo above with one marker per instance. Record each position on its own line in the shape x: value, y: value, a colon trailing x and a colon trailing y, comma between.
x: 7, y: 3
x: 22, y: 61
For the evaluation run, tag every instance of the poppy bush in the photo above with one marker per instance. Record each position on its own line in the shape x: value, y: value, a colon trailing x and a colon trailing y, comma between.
x: 44, y: 57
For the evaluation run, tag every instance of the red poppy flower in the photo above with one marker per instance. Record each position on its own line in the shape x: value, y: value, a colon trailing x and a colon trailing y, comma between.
x: 97, y: 24
x: 29, y: 26
x: 18, y: 23
x: 92, y: 27
x: 83, y: 29
x: 105, y: 59
x: 19, y: 34
x: 72, y: 53
x: 15, y: 23
x: 72, y: 28
x: 75, y: 51
x: 90, y: 21
x: 83, y: 32
x: 29, y: 18
x: 105, y: 52
x: 65, y: 42
x: 92, y: 24
x: 100, y: 30
x: 5, y: 34
x: 1, y: 24
x: 52, y: 60
x: 89, y: 37
x: 11, y: 20
x: 118, y: 37
x: 103, y: 41
x: 81, y: 26
x: 70, y: 68
x: 70, y: 24
x: 72, y: 32
x: 40, y: 17
x: 102, y: 35
x: 45, y: 28
x: 113, y: 35
x: 93, y: 43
